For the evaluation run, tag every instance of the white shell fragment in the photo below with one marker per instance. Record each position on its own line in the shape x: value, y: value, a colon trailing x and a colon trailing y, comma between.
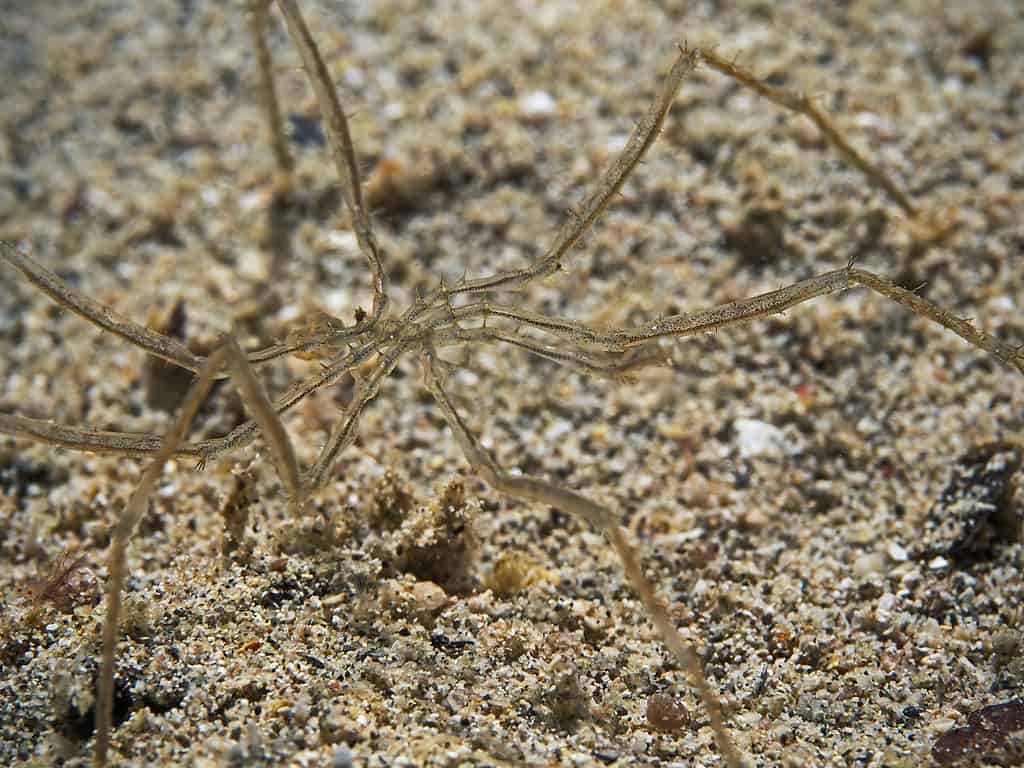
x: 759, y: 438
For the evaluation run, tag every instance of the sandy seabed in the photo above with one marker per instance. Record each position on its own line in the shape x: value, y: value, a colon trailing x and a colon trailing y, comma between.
x: 781, y: 477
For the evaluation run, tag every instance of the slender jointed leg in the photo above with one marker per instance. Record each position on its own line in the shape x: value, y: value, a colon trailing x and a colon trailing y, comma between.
x: 602, y: 518
x: 122, y: 533
x: 229, y: 356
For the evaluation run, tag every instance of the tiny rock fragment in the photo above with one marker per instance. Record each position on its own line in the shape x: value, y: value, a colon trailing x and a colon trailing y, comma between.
x: 428, y: 597
x: 976, y: 509
x: 137, y: 617
x: 1006, y: 645
x: 897, y: 552
x: 537, y: 105
x: 337, y: 729
x: 666, y: 713
x: 421, y: 600
x: 513, y: 573
x: 451, y: 646
x: 341, y: 757
x: 869, y: 563
x: 248, y: 687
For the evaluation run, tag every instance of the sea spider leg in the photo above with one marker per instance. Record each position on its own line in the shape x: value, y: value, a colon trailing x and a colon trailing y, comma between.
x: 616, y: 365
x: 123, y: 531
x: 582, y: 217
x: 132, y: 444
x: 258, y: 18
x: 744, y: 311
x: 1012, y: 356
x: 228, y: 355
x: 802, y: 104
x: 266, y: 417
x: 601, y: 517
x: 411, y: 336
x: 104, y: 317
x: 747, y: 310
x: 79, y: 438
x: 774, y: 302
x: 344, y: 432
x: 340, y: 141
x: 172, y: 350
x: 107, y: 319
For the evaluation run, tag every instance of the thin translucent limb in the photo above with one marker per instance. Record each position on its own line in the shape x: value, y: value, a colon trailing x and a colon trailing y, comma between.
x: 96, y: 313
x: 107, y: 319
x: 722, y: 316
x: 774, y: 302
x: 617, y: 365
x: 227, y: 355
x: 123, y: 531
x: 132, y: 444
x: 602, y: 518
x: 621, y: 339
x: 258, y: 30
x: 78, y: 439
x: 278, y: 235
x: 213, y: 448
x: 1011, y: 355
x: 801, y: 104
x: 581, y: 218
x: 485, y: 310
x: 392, y: 344
x: 344, y: 432
x: 342, y: 436
x: 325, y: 333
x: 612, y: 341
x: 266, y: 417
x: 308, y: 343
x: 340, y: 141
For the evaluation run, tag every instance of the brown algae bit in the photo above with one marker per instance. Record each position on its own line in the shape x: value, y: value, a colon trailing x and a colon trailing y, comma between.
x: 60, y: 586
x: 976, y: 509
x: 986, y: 739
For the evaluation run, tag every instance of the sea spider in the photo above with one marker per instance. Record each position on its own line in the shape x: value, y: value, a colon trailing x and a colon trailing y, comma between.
x: 461, y: 312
